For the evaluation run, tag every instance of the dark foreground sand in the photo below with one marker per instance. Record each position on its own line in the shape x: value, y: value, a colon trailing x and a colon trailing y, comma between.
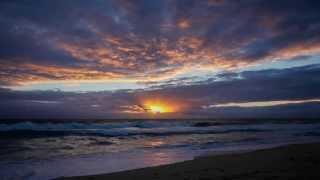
x: 290, y: 162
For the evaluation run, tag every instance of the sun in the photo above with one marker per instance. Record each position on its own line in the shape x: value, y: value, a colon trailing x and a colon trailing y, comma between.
x: 160, y: 106
x: 157, y: 109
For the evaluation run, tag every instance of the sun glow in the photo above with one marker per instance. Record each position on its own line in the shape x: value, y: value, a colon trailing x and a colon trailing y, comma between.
x: 157, y: 109
x: 159, y: 106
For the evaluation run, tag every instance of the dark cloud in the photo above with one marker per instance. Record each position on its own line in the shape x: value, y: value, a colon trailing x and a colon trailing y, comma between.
x: 264, y: 85
x: 299, y: 83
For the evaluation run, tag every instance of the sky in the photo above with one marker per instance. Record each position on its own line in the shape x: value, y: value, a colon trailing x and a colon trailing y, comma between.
x: 106, y: 59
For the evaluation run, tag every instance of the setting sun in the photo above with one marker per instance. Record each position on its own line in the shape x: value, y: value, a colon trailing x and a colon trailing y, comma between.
x: 157, y: 109
x: 159, y: 106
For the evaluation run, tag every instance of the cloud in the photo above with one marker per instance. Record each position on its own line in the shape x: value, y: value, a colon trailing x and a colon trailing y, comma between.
x: 262, y: 103
x: 148, y: 40
x: 295, y: 90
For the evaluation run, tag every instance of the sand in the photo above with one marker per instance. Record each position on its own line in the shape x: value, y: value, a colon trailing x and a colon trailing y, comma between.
x: 288, y: 162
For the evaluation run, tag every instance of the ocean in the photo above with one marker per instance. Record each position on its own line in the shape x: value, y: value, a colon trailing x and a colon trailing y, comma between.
x: 46, y: 150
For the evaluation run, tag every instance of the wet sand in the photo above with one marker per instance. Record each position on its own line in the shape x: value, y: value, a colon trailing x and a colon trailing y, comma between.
x: 288, y: 162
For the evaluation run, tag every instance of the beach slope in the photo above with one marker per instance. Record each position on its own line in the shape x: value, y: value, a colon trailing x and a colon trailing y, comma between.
x: 287, y: 162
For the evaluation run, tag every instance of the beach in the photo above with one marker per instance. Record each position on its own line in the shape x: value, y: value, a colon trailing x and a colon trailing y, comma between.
x: 298, y: 161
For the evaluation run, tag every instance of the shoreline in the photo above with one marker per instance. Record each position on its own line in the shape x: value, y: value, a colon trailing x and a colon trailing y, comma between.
x: 295, y: 161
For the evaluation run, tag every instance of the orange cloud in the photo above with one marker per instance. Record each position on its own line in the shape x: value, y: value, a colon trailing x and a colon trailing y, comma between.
x: 140, y: 42
x: 184, y: 24
x: 34, y: 74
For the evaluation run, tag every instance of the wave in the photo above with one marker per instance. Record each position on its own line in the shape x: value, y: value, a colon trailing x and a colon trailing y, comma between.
x: 77, y: 125
x: 106, y: 133
x: 147, y: 128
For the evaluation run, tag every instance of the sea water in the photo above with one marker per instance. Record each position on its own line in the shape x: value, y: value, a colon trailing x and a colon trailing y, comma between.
x: 46, y: 150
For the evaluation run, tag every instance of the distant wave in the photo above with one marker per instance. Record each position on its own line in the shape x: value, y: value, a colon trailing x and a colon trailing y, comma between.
x: 147, y: 128
x: 77, y: 125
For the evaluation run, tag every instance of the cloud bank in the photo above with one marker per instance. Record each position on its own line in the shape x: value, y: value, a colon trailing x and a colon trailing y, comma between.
x: 300, y: 84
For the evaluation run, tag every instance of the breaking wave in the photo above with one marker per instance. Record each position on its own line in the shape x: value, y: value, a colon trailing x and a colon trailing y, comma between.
x: 147, y: 128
